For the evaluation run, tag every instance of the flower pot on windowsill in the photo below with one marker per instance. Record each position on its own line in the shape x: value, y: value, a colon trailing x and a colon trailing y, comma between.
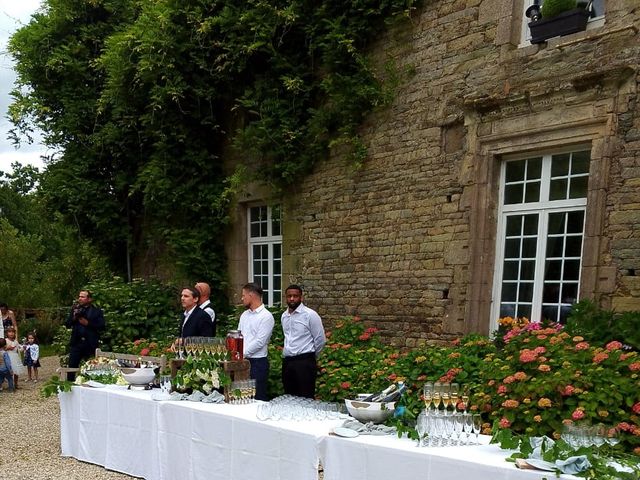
x: 568, y: 22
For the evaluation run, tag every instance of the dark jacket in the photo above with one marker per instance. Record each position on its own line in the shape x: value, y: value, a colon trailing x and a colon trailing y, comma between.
x: 85, y: 335
x: 198, y: 325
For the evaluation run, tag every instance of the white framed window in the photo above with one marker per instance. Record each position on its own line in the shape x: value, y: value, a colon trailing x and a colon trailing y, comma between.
x: 265, y: 251
x: 541, y: 220
x: 596, y: 20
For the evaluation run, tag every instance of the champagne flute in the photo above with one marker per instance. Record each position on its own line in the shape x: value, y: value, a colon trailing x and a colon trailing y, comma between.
x: 180, y: 346
x: 477, y: 426
x: 465, y: 399
x: 421, y: 427
x: 188, y: 345
x: 427, y: 392
x: 454, y: 393
x: 446, y: 399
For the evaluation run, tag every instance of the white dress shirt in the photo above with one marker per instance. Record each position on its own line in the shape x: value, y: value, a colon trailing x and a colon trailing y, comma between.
x: 206, y: 306
x: 256, y: 327
x: 187, y: 314
x: 303, y: 332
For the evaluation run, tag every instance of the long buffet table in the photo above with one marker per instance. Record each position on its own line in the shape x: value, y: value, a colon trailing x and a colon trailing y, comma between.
x: 126, y: 431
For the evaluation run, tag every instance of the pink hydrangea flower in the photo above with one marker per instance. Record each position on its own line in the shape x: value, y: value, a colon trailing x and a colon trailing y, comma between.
x: 577, y: 414
x: 582, y: 346
x: 504, y: 423
x: 614, y: 345
x: 345, y: 385
x: 600, y: 357
x: 527, y: 356
x: 502, y: 389
x: 634, y: 367
x: 636, y: 408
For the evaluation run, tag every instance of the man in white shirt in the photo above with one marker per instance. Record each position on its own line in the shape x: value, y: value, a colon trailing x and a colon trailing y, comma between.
x: 304, y: 339
x: 205, y: 303
x: 256, y: 325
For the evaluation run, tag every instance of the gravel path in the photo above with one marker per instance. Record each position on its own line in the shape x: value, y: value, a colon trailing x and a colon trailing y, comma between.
x: 30, y: 436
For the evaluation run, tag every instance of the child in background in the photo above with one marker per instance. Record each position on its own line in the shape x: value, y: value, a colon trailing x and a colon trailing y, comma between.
x: 32, y: 357
x: 13, y: 349
x: 5, y: 366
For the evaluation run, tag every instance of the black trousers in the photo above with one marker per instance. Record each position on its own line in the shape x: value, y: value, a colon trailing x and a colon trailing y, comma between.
x: 260, y: 372
x: 299, y: 375
x: 79, y: 352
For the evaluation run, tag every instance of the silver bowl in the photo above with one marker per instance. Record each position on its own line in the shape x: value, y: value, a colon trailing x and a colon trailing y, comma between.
x: 375, y: 412
x: 138, y: 376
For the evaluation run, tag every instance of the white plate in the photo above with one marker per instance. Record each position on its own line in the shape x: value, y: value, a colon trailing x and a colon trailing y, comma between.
x: 345, y: 432
x: 94, y: 384
x: 541, y: 464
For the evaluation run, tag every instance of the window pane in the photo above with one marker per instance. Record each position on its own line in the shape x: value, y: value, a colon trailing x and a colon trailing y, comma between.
x: 554, y: 246
x: 509, y: 292
x: 514, y: 224
x: 558, y: 189
x: 513, y: 194
x: 553, y: 270
x: 526, y: 292
x: 507, y: 310
x: 510, y: 271
x: 578, y: 187
x: 255, y: 230
x: 529, y: 247
x: 531, y: 224
x: 527, y: 269
x: 532, y: 192
x: 512, y: 248
x: 560, y: 165
x: 551, y: 293
x: 571, y: 270
x: 580, y: 163
x: 597, y: 8
x: 556, y: 223
x: 569, y: 293
x: 573, y: 246
x: 550, y: 313
x: 524, y: 311
x: 534, y: 168
x: 275, y: 220
x: 515, y: 171
x: 575, y: 221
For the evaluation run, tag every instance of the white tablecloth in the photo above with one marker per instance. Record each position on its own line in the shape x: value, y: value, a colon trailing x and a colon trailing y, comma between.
x: 127, y: 431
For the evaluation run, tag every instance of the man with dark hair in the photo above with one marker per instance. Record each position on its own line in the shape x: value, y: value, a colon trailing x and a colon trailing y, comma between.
x: 304, y: 339
x: 195, y: 321
x: 205, y: 304
x: 256, y: 325
x: 86, y: 322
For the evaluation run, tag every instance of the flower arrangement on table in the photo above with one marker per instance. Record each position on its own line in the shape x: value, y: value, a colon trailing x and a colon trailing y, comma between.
x: 101, y: 369
x: 204, y: 373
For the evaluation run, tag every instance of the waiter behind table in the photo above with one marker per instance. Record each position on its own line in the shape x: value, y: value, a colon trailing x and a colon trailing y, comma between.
x: 86, y: 323
x: 256, y: 325
x: 304, y: 339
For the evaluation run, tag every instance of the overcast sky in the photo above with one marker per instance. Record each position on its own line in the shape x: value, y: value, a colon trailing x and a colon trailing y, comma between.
x: 13, y: 14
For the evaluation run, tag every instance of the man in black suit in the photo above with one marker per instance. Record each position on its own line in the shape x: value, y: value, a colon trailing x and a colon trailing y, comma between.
x: 86, y: 322
x: 195, y: 321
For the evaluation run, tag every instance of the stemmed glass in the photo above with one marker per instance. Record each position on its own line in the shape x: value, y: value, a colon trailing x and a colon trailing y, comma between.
x: 465, y: 398
x: 477, y: 426
x: 180, y: 345
x: 454, y: 393
x: 422, y: 426
x: 467, y: 421
x: 427, y: 392
x: 446, y: 398
x: 437, y: 390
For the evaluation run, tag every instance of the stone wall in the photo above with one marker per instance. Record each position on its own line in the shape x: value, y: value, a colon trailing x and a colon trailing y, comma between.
x: 408, y: 240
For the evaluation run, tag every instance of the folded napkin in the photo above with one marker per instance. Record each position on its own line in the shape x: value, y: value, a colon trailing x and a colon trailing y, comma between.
x: 540, y: 445
x: 214, y: 397
x: 177, y: 396
x: 572, y: 465
x: 369, y: 428
x: 196, y: 396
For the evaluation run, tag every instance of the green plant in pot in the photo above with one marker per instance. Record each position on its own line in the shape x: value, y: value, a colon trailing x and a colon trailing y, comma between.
x: 553, y: 8
x: 556, y: 18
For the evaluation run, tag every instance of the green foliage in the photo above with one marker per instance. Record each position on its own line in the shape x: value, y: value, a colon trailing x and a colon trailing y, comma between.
x: 54, y: 385
x: 42, y: 260
x: 602, y: 326
x: 599, y: 458
x: 45, y: 324
x: 201, y: 373
x: 552, y: 8
x: 144, y: 99
x: 139, y: 309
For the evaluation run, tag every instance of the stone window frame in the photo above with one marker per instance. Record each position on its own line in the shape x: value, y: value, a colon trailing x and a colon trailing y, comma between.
x: 270, y: 241
x: 542, y: 208
x: 505, y: 132
x: 513, y: 29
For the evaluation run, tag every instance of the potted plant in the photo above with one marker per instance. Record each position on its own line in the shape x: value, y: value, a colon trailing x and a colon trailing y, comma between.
x: 557, y: 18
